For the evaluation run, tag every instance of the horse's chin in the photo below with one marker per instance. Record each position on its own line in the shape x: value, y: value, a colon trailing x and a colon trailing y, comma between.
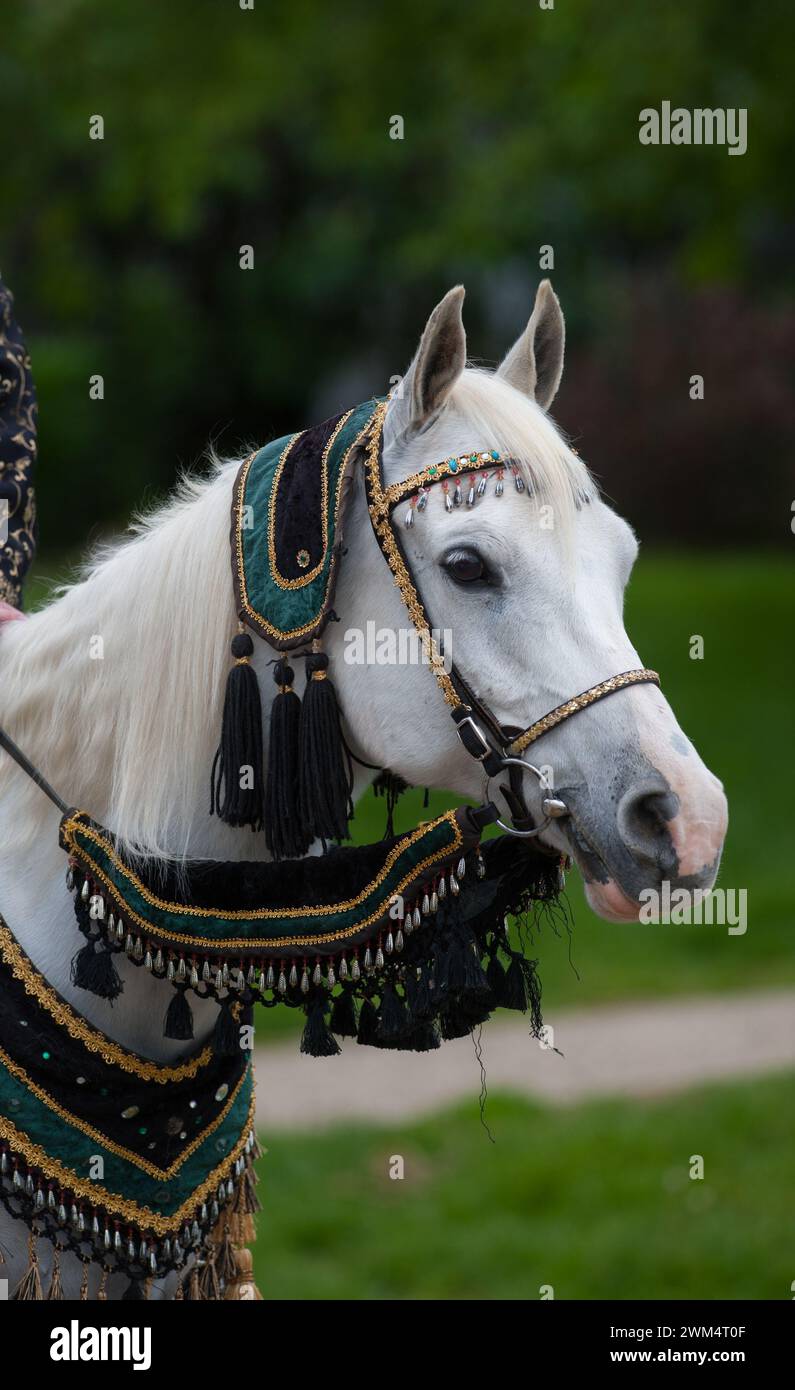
x: 607, y: 900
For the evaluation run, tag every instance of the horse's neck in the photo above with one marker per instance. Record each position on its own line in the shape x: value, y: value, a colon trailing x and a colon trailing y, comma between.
x: 114, y: 691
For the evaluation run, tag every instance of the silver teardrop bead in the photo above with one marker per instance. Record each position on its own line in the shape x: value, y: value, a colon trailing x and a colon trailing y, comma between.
x: 343, y: 969
x: 331, y: 978
x: 499, y: 488
x: 158, y: 962
x: 70, y: 878
x: 390, y: 943
x: 368, y: 959
x: 379, y: 959
x: 111, y: 924
x: 218, y: 982
x: 282, y: 985
x: 399, y: 942
x: 416, y: 916
x: 471, y: 495
x: 356, y: 973
x: 480, y: 866
x: 85, y: 891
x: 434, y: 901
x: 293, y: 976
x: 194, y: 976
x: 317, y: 975
x: 461, y: 868
x: 422, y: 502
x: 442, y: 887
x: 455, y: 887
x: 119, y: 930
x: 206, y: 972
x: 448, y: 503
x: 171, y: 971
x: 148, y: 961
x: 305, y: 981
x: 426, y: 904
x: 482, y: 485
x: 181, y: 970
x: 457, y: 495
x: 270, y: 978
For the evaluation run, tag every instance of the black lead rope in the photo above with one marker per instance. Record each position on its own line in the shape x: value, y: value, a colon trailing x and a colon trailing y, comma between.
x: 33, y: 773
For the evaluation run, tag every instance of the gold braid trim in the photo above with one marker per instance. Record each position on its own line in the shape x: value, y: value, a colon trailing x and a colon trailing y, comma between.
x: 73, y: 823
x: 379, y: 515
x: 303, y: 579
x: 76, y: 1027
x: 110, y: 1202
x: 260, y: 623
x: 569, y: 707
x: 143, y: 1163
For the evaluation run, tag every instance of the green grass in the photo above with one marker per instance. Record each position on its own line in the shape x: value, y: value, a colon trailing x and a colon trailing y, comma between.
x: 596, y: 1201
x: 736, y: 705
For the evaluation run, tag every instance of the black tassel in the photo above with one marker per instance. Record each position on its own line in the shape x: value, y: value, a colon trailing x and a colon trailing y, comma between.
x: 316, y: 1040
x: 391, y: 786
x: 343, y: 1015
x: 94, y: 970
x: 368, y: 1022
x: 422, y: 1037
x: 239, y: 757
x: 495, y: 976
x: 133, y: 1292
x: 515, y: 994
x: 392, y: 1019
x: 459, y: 1016
x: 459, y: 971
x: 285, y: 835
x: 178, y: 1022
x: 419, y: 995
x: 326, y: 772
x: 226, y: 1034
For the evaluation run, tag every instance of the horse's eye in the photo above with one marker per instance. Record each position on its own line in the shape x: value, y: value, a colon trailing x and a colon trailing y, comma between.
x: 465, y: 567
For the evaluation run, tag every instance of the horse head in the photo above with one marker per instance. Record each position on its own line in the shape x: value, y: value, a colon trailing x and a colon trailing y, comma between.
x: 527, y: 589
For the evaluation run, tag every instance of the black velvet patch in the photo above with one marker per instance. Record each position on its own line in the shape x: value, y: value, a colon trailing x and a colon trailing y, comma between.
x: 298, y: 505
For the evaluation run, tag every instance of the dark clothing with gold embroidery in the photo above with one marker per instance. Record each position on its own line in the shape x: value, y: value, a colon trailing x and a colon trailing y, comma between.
x: 18, y: 411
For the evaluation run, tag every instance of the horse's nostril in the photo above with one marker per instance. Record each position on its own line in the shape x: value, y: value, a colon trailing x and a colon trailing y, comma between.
x: 644, y: 814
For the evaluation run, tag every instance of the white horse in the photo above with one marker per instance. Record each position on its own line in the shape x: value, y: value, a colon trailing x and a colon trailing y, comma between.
x: 115, y: 688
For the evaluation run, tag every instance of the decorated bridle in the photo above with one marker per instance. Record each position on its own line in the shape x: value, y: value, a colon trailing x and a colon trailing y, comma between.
x: 497, y: 747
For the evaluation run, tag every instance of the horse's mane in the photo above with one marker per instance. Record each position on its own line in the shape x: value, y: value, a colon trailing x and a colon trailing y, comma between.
x: 69, y: 677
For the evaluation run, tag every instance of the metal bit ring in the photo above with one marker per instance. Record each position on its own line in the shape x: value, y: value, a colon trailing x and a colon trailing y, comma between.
x: 488, y: 778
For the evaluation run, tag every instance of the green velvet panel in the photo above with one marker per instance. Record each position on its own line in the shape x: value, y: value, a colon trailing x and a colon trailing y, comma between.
x: 288, y: 612
x: 433, y: 843
x: 65, y: 1142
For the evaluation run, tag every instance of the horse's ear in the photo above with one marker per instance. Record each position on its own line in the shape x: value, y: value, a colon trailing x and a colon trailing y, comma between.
x: 534, y: 364
x: 438, y: 363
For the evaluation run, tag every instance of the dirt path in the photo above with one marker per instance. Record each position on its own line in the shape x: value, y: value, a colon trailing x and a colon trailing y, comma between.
x: 628, y: 1050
